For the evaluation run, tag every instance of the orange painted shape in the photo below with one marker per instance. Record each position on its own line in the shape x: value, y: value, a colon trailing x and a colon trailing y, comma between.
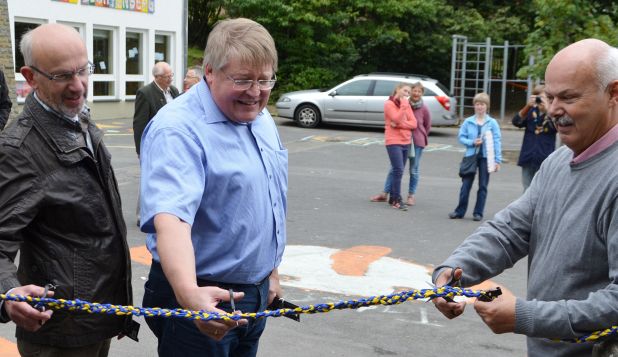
x: 140, y: 255
x: 8, y: 348
x: 356, y: 260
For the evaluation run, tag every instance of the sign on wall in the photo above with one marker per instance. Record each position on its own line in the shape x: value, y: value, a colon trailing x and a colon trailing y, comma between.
x: 130, y: 5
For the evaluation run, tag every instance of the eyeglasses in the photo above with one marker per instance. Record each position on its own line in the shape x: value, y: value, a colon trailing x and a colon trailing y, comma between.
x: 169, y: 76
x: 67, y: 76
x: 246, y: 84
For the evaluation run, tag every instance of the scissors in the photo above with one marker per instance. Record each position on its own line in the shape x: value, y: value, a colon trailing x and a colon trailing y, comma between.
x: 488, y: 296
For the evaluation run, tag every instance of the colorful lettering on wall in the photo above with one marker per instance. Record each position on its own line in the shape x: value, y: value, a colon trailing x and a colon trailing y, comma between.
x: 130, y: 5
x: 68, y: 1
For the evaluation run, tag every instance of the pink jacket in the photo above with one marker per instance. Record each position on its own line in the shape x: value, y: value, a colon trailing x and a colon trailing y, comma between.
x: 399, y: 112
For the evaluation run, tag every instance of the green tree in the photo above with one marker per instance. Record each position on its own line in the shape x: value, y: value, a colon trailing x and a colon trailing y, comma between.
x: 202, y: 15
x: 561, y: 22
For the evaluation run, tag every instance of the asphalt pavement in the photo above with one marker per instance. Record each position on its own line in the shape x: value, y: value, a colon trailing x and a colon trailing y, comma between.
x: 342, y: 246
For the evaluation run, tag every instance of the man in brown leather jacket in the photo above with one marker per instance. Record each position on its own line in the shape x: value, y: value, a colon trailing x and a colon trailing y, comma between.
x: 60, y: 206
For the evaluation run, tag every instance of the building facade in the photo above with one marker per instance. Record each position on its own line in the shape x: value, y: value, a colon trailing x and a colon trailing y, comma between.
x: 124, y: 38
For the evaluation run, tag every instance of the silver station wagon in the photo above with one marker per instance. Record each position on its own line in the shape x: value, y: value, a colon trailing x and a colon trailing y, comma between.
x: 360, y: 101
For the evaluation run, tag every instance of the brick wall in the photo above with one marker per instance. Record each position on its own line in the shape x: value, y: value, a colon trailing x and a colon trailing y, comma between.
x: 6, y: 53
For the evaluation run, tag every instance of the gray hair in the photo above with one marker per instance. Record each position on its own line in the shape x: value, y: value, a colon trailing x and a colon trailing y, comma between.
x: 157, y: 69
x: 418, y: 85
x: 607, y: 67
x: 199, y: 72
x: 25, y: 46
x: 243, y: 39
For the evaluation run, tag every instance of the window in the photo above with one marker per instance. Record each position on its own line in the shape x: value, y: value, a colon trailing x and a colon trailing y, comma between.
x: 103, y: 88
x: 134, y: 58
x: 162, y: 48
x: 384, y: 88
x: 131, y: 88
x: 430, y: 93
x: 20, y: 29
x: 104, y: 55
x: 354, y: 88
x: 103, y: 51
x: 22, y: 89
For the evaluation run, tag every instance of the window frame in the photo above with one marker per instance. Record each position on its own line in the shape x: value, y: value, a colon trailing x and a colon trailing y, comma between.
x: 19, y: 78
x: 113, y: 58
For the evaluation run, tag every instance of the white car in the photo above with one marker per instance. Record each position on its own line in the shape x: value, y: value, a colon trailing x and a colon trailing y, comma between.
x: 360, y: 101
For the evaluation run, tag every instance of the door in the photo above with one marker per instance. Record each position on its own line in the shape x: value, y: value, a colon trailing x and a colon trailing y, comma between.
x: 348, y: 102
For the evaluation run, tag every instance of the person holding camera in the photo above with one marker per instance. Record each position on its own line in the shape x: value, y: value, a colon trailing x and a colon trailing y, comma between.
x: 539, y: 135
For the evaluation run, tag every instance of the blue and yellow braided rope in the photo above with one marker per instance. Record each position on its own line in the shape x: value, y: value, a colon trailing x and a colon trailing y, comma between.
x: 392, y: 299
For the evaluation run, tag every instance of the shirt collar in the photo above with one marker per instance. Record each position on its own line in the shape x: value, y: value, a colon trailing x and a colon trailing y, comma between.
x: 55, y: 112
x: 603, y: 143
x: 161, y: 89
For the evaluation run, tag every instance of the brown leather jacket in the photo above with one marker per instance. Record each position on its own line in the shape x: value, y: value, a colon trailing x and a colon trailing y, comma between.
x: 60, y: 207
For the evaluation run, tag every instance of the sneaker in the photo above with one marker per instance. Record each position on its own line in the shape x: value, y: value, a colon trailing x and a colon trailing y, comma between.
x: 399, y: 205
x: 477, y: 217
x: 454, y: 215
x: 411, y: 200
x: 378, y: 198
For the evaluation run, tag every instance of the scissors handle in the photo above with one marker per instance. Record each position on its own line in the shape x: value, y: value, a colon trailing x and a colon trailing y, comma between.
x: 232, y: 300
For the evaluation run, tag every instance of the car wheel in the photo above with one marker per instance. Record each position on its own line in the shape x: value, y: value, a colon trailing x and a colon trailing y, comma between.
x: 307, y: 116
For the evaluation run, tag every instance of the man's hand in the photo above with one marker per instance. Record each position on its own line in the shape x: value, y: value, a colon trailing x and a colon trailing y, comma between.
x: 22, y: 313
x: 449, y: 309
x: 274, y: 288
x: 207, y: 298
x: 478, y: 142
x: 498, y: 314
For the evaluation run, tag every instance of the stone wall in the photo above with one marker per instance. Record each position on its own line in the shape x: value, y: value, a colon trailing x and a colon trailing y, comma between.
x: 6, y: 53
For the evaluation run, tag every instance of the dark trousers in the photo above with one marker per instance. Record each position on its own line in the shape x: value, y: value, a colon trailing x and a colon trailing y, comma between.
x: 398, y: 155
x: 180, y: 337
x: 28, y: 349
x: 466, y: 186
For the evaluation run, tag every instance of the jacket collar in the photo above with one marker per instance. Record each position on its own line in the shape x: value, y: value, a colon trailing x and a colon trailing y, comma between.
x: 59, y: 131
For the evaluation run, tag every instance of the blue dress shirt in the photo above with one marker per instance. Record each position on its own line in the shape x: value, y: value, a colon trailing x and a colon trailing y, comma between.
x: 227, y: 180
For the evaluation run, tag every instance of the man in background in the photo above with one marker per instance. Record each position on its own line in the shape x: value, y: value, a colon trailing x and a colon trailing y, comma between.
x: 148, y: 100
x: 194, y: 76
x: 152, y: 97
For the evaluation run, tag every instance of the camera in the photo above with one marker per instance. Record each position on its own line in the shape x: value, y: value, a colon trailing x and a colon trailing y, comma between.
x: 538, y: 100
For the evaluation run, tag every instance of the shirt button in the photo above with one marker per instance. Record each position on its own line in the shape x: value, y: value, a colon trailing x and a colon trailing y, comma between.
x: 270, y: 177
x: 277, y: 231
x: 275, y: 204
x: 261, y: 149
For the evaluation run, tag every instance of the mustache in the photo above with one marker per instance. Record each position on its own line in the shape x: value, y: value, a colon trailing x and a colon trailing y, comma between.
x: 564, y: 120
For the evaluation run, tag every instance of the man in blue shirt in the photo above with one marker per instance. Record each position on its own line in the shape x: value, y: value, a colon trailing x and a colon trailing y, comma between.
x: 214, y: 183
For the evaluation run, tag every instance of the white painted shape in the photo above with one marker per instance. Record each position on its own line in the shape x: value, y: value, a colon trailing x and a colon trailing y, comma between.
x: 310, y: 267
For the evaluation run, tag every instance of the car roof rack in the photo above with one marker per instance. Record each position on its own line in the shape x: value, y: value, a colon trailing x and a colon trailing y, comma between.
x: 396, y: 74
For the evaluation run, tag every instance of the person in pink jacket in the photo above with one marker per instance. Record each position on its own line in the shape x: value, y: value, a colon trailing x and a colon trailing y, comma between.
x: 419, y: 139
x: 399, y: 121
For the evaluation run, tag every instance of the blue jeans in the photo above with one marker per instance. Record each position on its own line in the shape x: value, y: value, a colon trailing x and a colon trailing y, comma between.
x: 398, y: 155
x: 527, y: 173
x: 414, y: 173
x: 180, y: 337
x: 466, y: 186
